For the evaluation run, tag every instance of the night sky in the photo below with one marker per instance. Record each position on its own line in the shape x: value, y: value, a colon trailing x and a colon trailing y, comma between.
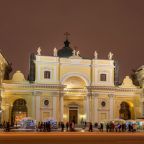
x: 101, y: 25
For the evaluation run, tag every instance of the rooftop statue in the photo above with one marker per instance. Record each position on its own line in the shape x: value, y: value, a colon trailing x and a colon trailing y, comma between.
x: 74, y: 52
x: 95, y: 55
x: 39, y: 51
x: 78, y: 53
x: 55, y: 52
x: 110, y: 56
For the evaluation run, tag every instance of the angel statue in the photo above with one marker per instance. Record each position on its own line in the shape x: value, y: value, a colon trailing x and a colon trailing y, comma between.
x: 74, y: 52
x: 55, y: 52
x: 78, y: 53
x: 95, y: 55
x: 110, y: 55
x: 39, y: 51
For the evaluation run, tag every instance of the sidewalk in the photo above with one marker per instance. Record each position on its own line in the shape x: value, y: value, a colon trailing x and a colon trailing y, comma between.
x: 59, y: 130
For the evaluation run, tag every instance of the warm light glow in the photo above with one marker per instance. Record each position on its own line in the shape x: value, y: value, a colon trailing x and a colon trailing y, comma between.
x: 64, y: 116
x: 83, y: 116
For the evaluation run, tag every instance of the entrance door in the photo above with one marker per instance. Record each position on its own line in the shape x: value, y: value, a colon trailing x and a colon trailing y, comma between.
x: 73, y: 115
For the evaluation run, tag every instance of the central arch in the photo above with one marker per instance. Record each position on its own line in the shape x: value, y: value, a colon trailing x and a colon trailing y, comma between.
x: 74, y: 98
x: 80, y: 75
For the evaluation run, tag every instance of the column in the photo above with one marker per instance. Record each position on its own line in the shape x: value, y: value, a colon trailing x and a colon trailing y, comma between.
x: 38, y: 108
x: 96, y: 108
x: 88, y: 108
x: 61, y: 107
x: 141, y: 106
x: 54, y: 107
x: 111, y: 107
x: 33, y: 106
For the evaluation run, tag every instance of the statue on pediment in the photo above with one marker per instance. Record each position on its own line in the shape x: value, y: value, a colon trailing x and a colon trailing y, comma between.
x: 55, y: 52
x: 78, y: 53
x: 95, y: 55
x: 74, y: 52
x: 110, y: 56
x: 39, y: 51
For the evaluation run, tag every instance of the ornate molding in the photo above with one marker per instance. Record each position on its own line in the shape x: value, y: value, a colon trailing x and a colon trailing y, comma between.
x: 4, y: 85
x: 113, y: 88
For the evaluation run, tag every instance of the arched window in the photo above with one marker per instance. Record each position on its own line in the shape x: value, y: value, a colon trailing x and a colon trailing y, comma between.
x: 47, y: 74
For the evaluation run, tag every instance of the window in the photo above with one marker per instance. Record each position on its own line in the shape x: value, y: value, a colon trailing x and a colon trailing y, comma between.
x: 46, y: 102
x: 102, y: 77
x: 103, y: 103
x: 47, y: 74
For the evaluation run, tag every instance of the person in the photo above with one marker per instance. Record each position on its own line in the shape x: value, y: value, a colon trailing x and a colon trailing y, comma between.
x: 48, y: 127
x: 90, y: 127
x: 96, y: 125
x: 85, y: 124
x: 107, y: 127
x: 62, y: 126
x: 119, y: 127
x: 73, y: 126
x: 67, y: 126
x: 8, y: 126
x: 101, y: 127
x: 4, y: 125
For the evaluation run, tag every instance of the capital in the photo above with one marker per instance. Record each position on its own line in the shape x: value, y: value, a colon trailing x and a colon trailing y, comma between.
x: 110, y: 95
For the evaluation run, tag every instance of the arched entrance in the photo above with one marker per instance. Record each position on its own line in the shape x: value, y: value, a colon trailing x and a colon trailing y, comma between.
x: 74, y: 99
x: 19, y: 110
x: 125, y: 112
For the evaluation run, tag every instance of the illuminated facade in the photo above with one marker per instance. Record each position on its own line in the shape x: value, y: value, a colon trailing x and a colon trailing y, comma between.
x: 70, y: 88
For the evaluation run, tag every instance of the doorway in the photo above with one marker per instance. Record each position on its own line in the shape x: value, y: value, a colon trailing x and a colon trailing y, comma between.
x: 73, y: 114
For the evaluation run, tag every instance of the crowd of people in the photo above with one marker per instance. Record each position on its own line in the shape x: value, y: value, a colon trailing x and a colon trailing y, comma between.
x: 116, y: 127
x: 5, y: 126
x: 70, y: 126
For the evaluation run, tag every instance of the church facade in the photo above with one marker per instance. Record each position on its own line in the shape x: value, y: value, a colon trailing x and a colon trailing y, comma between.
x: 70, y: 88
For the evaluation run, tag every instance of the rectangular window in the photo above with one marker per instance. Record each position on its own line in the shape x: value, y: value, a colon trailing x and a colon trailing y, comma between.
x: 102, y: 77
x: 47, y: 74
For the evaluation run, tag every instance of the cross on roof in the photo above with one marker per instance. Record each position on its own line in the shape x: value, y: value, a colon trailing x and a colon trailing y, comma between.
x: 66, y: 34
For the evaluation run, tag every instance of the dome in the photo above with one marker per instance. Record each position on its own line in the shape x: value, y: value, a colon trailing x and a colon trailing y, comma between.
x: 18, y: 77
x: 66, y: 51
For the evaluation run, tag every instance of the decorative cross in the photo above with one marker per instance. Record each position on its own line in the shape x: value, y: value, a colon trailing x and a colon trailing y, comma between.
x: 66, y: 34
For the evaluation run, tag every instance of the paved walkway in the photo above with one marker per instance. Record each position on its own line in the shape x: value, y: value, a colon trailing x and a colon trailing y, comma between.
x: 71, y: 138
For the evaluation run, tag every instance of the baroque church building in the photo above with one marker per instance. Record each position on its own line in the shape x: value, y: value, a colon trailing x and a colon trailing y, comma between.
x: 67, y: 87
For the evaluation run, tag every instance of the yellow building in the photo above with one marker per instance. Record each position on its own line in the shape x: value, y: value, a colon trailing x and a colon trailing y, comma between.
x: 67, y: 87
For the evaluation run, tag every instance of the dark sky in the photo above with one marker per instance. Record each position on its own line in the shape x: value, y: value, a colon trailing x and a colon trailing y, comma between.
x: 102, y: 25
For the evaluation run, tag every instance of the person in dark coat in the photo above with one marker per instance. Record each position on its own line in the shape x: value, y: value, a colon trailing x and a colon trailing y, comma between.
x: 90, y: 127
x: 67, y: 126
x: 62, y: 126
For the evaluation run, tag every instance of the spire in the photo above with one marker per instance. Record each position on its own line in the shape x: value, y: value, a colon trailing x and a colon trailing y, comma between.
x: 66, y: 51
